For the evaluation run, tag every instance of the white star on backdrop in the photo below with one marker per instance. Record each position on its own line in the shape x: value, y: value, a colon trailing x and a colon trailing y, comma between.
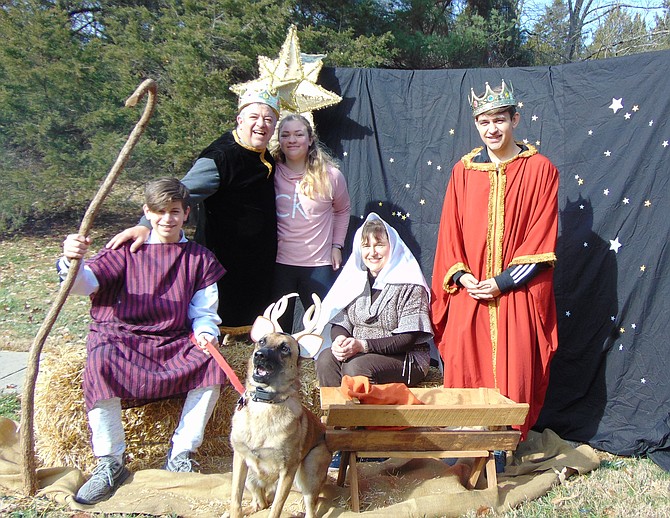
x: 616, y: 104
x: 615, y: 245
x: 626, y: 201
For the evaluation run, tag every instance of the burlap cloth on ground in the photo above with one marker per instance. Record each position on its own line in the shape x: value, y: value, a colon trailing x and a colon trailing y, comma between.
x: 420, y: 487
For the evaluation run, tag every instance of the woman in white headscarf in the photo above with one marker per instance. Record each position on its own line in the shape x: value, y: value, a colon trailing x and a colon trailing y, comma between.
x: 376, y: 313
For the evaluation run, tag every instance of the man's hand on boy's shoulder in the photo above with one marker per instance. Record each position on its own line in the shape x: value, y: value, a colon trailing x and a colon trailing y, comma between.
x: 138, y: 234
x: 75, y: 246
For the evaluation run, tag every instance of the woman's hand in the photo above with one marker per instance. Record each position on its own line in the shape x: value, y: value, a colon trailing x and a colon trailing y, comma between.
x: 344, y: 347
x: 336, y: 258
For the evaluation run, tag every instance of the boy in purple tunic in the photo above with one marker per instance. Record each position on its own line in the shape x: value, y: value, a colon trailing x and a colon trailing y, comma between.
x: 145, y: 306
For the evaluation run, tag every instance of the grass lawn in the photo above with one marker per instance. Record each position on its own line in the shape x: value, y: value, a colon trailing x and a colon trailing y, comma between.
x: 622, y: 487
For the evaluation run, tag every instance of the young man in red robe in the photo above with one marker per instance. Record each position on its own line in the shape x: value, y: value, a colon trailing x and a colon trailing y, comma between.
x: 493, y: 307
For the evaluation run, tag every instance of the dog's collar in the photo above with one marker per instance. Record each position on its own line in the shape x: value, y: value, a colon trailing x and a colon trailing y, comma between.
x: 263, y: 396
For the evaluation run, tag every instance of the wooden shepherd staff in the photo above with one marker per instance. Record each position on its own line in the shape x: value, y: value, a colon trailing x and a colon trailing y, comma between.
x: 27, y: 433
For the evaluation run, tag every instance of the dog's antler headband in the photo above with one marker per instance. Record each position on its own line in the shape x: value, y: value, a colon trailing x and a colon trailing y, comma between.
x: 269, y: 323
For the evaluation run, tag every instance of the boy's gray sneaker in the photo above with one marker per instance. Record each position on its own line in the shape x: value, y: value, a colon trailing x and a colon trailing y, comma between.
x: 181, y: 463
x: 108, y: 475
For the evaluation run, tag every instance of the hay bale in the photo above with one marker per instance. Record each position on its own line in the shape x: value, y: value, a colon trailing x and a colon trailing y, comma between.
x: 62, y: 435
x: 433, y: 379
x: 61, y: 424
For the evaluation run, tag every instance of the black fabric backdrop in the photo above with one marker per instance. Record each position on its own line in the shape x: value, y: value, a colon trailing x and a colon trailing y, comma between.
x: 397, y: 135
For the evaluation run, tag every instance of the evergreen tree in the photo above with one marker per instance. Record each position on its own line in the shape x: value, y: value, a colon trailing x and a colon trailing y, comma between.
x: 547, y: 40
x: 620, y: 34
x: 660, y: 32
x: 457, y: 34
x: 67, y: 66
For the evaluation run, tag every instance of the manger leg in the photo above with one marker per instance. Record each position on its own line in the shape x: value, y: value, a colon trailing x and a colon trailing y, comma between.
x: 344, y: 464
x: 353, y: 482
x: 491, y: 475
x: 477, y: 467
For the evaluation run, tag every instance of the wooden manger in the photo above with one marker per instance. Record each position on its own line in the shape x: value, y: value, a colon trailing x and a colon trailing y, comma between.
x: 452, y: 423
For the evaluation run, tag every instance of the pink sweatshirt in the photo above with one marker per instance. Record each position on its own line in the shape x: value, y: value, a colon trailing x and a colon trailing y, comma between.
x: 306, y: 228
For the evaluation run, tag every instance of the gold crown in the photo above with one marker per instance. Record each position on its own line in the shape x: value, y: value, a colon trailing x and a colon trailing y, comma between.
x: 491, y: 100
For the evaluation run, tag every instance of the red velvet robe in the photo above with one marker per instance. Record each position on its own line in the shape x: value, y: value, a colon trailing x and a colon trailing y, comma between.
x: 491, y: 221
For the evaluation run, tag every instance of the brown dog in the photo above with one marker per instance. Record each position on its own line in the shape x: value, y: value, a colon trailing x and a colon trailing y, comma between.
x: 276, y: 440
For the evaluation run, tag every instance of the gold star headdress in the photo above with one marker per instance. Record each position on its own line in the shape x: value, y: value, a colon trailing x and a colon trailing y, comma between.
x: 293, y: 77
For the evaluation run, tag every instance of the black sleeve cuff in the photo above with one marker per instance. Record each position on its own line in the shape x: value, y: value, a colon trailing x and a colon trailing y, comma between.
x: 457, y: 278
x: 504, y: 281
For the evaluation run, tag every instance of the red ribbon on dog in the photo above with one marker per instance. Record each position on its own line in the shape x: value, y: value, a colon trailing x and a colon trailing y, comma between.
x: 218, y: 357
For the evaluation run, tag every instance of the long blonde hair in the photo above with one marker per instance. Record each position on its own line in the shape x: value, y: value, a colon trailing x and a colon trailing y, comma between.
x: 316, y: 182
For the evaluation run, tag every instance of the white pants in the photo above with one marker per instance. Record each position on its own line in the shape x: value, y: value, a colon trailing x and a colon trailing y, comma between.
x: 107, y: 433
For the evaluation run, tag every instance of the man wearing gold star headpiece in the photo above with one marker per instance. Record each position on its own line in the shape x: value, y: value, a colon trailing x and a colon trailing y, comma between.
x: 493, y: 305
x: 234, y: 178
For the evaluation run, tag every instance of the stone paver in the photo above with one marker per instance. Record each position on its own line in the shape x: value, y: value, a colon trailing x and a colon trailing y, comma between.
x: 12, y: 371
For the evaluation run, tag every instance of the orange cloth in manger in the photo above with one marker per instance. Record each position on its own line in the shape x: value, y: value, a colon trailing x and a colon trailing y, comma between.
x: 360, y: 388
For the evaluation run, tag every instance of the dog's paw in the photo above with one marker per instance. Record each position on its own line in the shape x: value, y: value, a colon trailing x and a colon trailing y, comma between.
x: 254, y: 508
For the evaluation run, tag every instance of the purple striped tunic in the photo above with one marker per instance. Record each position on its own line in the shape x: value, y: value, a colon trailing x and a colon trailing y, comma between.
x: 138, y: 345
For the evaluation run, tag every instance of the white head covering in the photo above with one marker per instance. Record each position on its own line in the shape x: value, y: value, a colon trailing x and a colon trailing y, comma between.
x: 401, y: 268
